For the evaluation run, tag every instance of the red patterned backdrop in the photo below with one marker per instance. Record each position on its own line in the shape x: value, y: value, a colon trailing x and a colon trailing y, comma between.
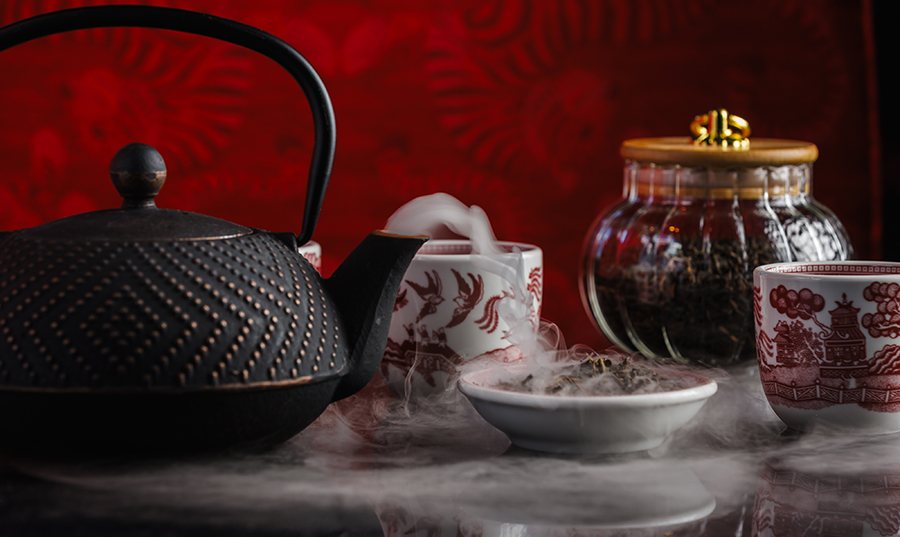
x: 518, y: 106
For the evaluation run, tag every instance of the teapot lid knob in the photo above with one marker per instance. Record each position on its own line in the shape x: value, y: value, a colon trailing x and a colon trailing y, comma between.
x: 139, y: 172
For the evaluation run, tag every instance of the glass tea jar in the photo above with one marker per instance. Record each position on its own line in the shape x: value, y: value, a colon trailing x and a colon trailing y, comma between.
x: 668, y: 270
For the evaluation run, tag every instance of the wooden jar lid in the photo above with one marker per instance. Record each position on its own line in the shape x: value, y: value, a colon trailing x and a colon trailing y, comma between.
x: 719, y: 140
x: 682, y: 150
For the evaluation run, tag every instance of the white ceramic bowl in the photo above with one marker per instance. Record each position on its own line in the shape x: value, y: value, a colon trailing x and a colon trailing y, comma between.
x: 582, y: 424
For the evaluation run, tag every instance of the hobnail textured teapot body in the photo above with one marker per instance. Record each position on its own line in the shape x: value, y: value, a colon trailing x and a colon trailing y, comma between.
x: 184, y: 345
x: 142, y: 328
x: 156, y: 315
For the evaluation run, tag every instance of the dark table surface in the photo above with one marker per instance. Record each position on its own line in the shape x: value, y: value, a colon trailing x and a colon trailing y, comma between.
x: 374, y: 466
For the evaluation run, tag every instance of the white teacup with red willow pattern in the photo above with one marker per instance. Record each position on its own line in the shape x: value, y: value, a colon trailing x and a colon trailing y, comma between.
x: 828, y: 343
x: 312, y: 251
x: 449, y: 310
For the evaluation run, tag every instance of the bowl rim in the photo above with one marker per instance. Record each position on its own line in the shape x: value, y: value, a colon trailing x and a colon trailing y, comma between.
x: 795, y: 269
x: 527, y: 250
x: 472, y: 389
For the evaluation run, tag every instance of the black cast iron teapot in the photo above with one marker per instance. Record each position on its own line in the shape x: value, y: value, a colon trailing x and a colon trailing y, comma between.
x: 142, y: 328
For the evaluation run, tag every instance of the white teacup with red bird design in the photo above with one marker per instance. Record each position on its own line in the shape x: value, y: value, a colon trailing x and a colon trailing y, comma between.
x: 828, y: 343
x: 454, y: 306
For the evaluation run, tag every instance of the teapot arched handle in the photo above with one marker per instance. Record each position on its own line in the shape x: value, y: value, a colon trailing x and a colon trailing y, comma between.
x: 192, y: 22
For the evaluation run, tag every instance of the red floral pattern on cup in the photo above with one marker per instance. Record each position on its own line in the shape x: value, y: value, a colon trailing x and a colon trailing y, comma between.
x: 886, y: 321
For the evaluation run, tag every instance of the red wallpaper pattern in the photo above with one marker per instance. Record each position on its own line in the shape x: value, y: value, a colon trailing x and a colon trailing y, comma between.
x: 515, y: 105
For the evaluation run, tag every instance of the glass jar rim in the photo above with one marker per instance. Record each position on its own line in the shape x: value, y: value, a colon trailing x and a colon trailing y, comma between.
x: 681, y: 150
x: 673, y: 181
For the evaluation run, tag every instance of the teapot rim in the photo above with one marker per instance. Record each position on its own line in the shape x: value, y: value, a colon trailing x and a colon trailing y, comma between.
x: 136, y: 225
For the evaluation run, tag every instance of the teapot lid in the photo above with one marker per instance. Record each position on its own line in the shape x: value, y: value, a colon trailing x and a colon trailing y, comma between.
x: 721, y: 140
x: 138, y: 171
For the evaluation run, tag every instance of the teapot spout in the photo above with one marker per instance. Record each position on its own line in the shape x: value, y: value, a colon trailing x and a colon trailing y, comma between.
x: 364, y: 289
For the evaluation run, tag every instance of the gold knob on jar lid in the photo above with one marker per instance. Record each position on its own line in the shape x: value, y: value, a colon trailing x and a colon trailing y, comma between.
x: 719, y: 128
